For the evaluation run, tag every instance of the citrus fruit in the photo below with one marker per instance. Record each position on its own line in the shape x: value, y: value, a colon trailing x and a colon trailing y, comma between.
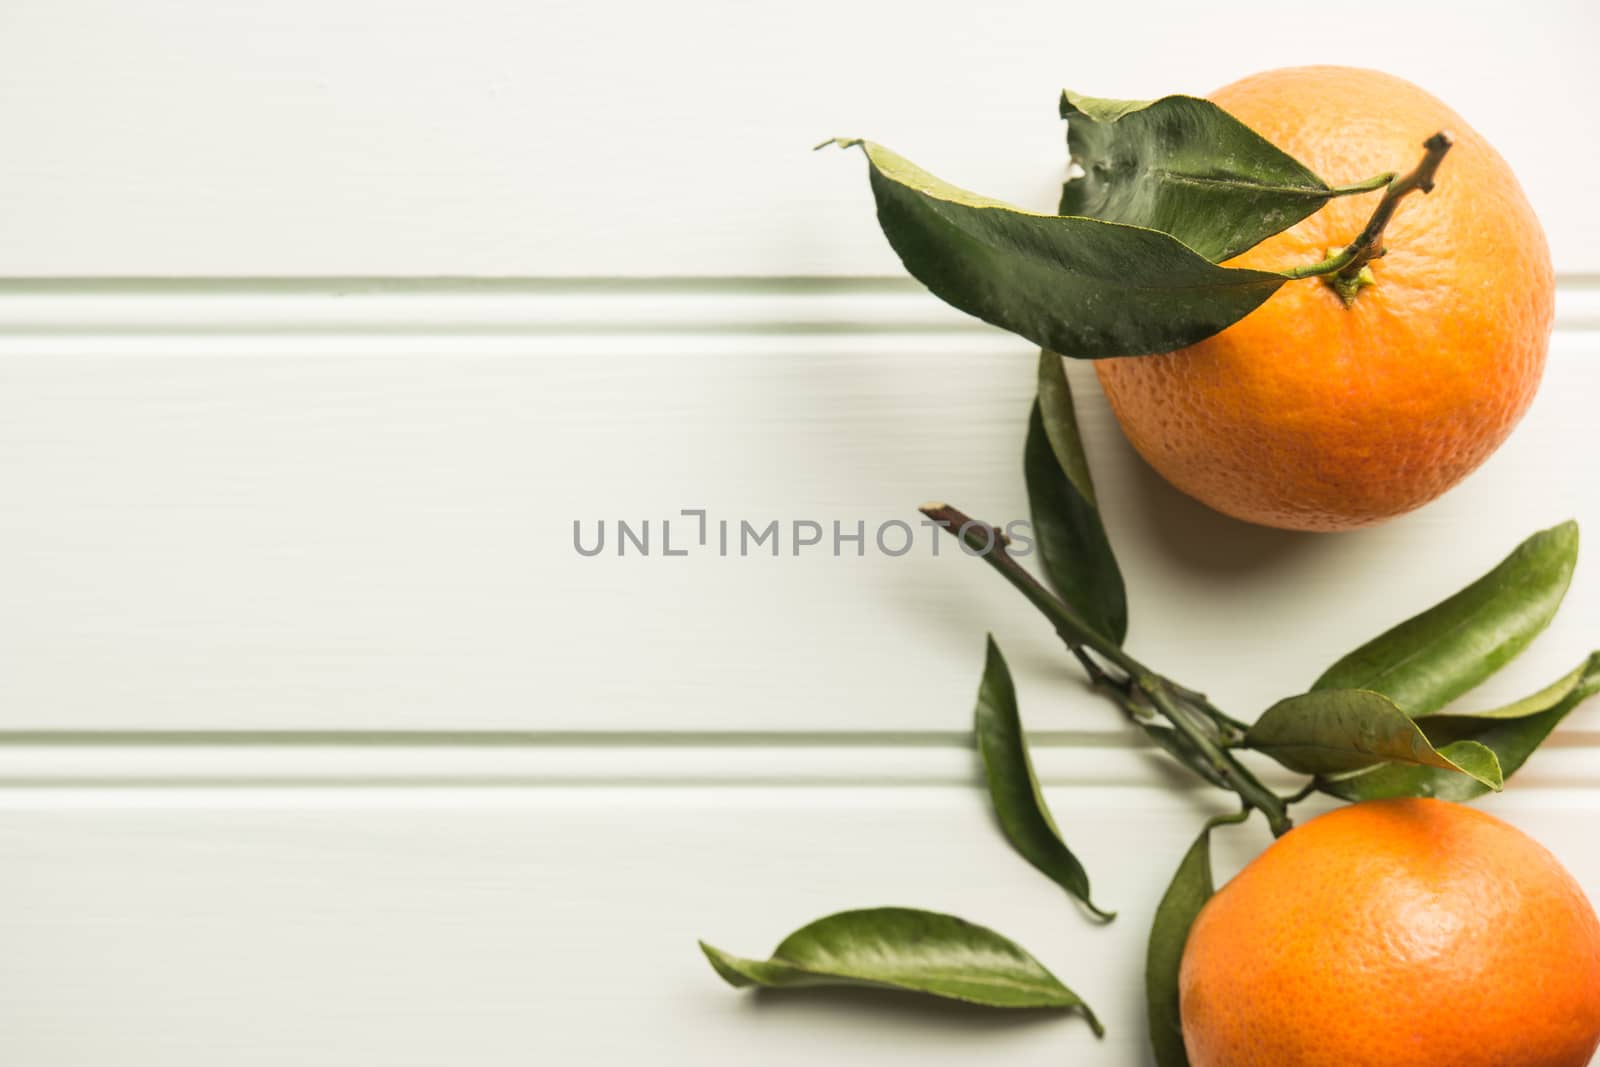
x: 1310, y: 414
x: 1395, y: 933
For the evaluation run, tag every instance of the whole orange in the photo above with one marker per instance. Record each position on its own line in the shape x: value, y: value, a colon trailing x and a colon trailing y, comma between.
x: 1311, y: 415
x: 1395, y: 933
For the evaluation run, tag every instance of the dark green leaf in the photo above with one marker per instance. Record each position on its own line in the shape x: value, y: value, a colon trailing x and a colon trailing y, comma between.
x: 1190, y: 889
x: 1335, y: 731
x: 1082, y: 287
x: 1429, y: 660
x: 1014, y: 787
x: 1512, y: 733
x: 902, y: 948
x: 1075, y: 551
x: 1186, y: 167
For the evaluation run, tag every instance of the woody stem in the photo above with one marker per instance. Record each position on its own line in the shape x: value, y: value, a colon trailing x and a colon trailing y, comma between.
x: 1166, y: 699
x: 1346, y: 264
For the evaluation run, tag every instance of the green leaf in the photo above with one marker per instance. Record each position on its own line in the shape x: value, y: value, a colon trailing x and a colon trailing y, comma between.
x: 1512, y: 733
x: 1576, y: 680
x: 903, y: 948
x: 1083, y: 287
x: 1186, y: 167
x: 1429, y: 660
x: 1073, y: 545
x: 1336, y: 731
x: 1190, y: 889
x: 1014, y: 787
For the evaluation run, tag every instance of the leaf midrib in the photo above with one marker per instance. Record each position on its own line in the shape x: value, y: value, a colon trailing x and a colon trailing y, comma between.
x: 1323, y: 746
x: 1259, y: 277
x: 988, y: 981
x: 1427, y: 646
x: 1180, y: 178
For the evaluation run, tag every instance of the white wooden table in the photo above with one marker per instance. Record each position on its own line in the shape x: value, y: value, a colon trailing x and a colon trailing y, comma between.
x: 323, y: 322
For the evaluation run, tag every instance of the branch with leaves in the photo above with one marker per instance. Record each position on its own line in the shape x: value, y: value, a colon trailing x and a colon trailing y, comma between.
x: 1168, y: 190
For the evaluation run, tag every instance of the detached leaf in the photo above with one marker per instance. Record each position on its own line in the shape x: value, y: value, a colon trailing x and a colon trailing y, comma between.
x: 1073, y: 545
x: 1512, y: 733
x: 1082, y: 287
x: 1190, y: 889
x: 902, y: 948
x: 1014, y: 787
x: 1336, y: 731
x: 1184, y: 166
x: 1429, y: 660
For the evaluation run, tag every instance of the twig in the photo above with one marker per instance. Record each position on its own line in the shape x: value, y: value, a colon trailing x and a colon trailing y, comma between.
x: 1343, y: 270
x: 989, y: 544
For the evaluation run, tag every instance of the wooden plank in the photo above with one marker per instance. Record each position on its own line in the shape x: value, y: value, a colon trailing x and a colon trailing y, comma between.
x: 316, y: 510
x: 565, y: 138
x: 186, y: 928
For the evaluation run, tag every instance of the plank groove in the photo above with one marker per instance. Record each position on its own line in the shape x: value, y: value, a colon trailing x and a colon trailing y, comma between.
x: 467, y: 761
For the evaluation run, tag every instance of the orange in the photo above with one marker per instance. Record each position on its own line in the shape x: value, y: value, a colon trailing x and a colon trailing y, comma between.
x: 1311, y: 415
x: 1395, y: 933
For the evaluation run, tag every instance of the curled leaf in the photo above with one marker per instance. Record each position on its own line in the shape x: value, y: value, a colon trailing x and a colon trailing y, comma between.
x: 1512, y: 733
x: 903, y: 948
x: 1337, y: 731
x: 1079, y: 286
x: 1186, y: 167
x: 1018, y: 802
x: 1073, y: 545
x: 1430, y: 659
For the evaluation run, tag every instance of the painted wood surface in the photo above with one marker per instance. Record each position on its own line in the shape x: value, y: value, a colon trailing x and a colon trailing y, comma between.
x: 321, y: 509
x: 418, y: 928
x: 322, y: 744
x: 324, y: 321
x: 568, y: 138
